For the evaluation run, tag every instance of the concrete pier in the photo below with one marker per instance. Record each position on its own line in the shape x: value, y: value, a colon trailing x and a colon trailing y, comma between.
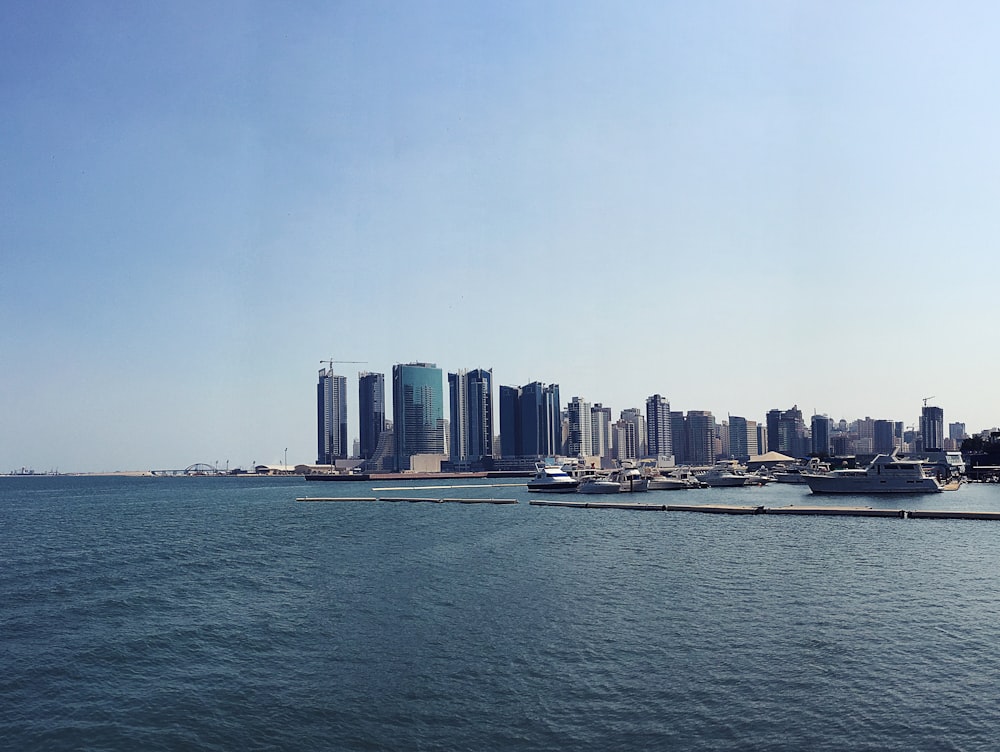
x: 933, y: 514
x: 715, y: 508
x: 837, y: 511
x: 832, y: 511
x: 634, y: 506
x: 337, y: 498
x: 413, y: 499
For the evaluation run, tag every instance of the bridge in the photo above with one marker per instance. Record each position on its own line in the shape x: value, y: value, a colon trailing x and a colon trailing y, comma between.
x: 198, y: 468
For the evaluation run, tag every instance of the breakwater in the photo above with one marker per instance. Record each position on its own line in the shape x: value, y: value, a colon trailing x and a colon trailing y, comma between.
x: 730, y: 509
x: 412, y: 499
x: 828, y: 511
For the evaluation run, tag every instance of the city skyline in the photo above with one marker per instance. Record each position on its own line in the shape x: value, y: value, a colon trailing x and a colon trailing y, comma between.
x: 738, y: 206
x: 535, y: 410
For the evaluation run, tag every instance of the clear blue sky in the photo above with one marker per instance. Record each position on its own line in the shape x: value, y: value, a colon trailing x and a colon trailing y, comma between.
x: 737, y: 205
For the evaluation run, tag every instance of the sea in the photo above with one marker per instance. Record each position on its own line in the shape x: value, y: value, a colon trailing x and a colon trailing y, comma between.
x: 220, y: 613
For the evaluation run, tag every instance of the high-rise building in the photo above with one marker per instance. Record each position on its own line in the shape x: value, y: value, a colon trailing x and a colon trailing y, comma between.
x: 679, y: 437
x: 471, y: 402
x: 884, y: 437
x: 579, y: 442
x: 531, y: 422
x: 553, y: 420
x: 331, y: 417
x: 541, y: 420
x: 634, y: 416
x: 753, y: 444
x: 510, y: 422
x: 786, y: 432
x: 659, y: 438
x: 739, y: 448
x: 701, y: 437
x: 956, y: 432
x: 371, y: 412
x: 600, y: 431
x: 822, y: 435
x: 623, y: 440
x: 932, y: 428
x: 417, y: 411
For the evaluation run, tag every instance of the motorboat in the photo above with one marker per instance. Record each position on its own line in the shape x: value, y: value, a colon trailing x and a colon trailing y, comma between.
x: 795, y: 473
x: 599, y: 484
x: 887, y: 473
x: 620, y: 480
x: 728, y: 474
x: 630, y: 479
x: 552, y: 479
x: 678, y: 480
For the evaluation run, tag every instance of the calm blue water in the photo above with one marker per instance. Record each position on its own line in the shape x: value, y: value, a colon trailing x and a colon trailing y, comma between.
x: 220, y: 614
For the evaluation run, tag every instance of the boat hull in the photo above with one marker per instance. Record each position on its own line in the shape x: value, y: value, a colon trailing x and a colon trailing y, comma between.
x: 552, y: 487
x: 833, y: 485
x: 724, y: 482
x: 599, y: 487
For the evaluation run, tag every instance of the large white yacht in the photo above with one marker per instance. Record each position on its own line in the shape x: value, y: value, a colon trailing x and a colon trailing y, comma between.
x: 886, y: 474
x: 729, y: 473
x: 552, y: 479
x: 626, y: 479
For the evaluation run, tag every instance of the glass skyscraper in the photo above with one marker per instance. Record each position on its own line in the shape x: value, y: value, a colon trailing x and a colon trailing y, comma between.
x: 371, y: 411
x: 932, y: 428
x: 541, y: 420
x: 510, y: 422
x: 417, y: 411
x: 822, y: 435
x: 471, y: 403
x: 331, y: 417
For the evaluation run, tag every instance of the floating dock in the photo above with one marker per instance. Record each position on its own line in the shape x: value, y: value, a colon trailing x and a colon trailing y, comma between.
x: 837, y: 511
x: 715, y: 508
x: 337, y: 498
x: 808, y: 511
x: 602, y: 505
x: 833, y: 511
x: 935, y: 514
x: 412, y: 499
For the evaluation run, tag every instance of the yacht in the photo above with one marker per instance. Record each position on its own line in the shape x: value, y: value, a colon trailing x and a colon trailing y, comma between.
x: 599, y: 484
x: 552, y: 479
x: 621, y: 480
x: 796, y: 473
x: 677, y: 480
x: 630, y: 479
x: 729, y: 473
x: 886, y: 474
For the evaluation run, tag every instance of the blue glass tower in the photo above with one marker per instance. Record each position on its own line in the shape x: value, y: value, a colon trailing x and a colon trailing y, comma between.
x: 417, y: 411
x: 371, y: 411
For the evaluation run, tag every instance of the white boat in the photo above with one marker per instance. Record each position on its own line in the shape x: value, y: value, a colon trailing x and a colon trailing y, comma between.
x: 886, y: 474
x: 678, y: 480
x: 599, y: 484
x: 621, y: 480
x: 796, y: 473
x: 552, y: 479
x: 727, y: 474
x: 630, y: 479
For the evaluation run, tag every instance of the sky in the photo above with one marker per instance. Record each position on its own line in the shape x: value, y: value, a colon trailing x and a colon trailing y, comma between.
x: 740, y: 206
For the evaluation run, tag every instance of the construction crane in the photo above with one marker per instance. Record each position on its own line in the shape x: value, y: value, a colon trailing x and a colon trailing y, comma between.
x: 927, y: 398
x: 331, y: 361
